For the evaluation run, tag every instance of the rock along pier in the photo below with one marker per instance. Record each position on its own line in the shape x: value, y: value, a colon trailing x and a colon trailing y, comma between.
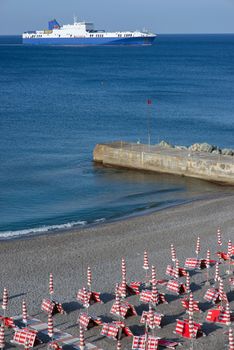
x: 207, y: 166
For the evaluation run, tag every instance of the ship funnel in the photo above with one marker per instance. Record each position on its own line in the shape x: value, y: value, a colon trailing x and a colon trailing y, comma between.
x: 53, y: 25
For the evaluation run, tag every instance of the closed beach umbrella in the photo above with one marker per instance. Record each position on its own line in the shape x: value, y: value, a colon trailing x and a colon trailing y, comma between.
x: 198, y: 246
x: 231, y: 339
x: 229, y: 248
x: 207, y: 266
x: 151, y: 318
x: 82, y: 338
x: 229, y: 255
x: 225, y: 315
x: 86, y: 298
x: 146, y: 267
x: 208, y: 259
x: 5, y: 299
x: 24, y: 313
x: 2, y: 337
x: 51, y: 284
x: 176, y: 269
x: 50, y: 326
x: 219, y: 237
x: 188, y: 282
x: 123, y: 285
x: 173, y: 253
x: 118, y: 345
x: 191, y: 325
x: 89, y: 278
x: 153, y: 274
x: 117, y: 300
x: 222, y: 294
x: 191, y: 329
x: 146, y: 261
x: 155, y: 294
x: 123, y: 269
x: 216, y: 277
x: 191, y: 304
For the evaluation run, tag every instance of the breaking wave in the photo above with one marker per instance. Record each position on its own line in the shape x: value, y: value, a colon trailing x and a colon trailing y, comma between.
x: 42, y: 229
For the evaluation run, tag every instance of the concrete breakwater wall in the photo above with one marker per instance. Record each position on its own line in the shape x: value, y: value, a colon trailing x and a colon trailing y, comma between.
x: 202, y: 165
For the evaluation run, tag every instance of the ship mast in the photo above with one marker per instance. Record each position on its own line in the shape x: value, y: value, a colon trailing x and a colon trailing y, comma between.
x: 75, y: 18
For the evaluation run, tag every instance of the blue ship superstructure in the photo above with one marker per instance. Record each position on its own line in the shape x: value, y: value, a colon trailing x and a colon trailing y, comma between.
x: 83, y: 33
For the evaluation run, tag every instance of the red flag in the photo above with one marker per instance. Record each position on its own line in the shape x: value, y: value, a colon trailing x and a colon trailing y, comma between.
x: 149, y: 102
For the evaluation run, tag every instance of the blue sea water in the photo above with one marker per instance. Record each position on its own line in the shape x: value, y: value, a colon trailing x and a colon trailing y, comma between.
x: 56, y: 103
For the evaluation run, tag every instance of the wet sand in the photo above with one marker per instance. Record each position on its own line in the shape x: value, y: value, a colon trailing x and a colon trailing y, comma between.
x: 26, y: 264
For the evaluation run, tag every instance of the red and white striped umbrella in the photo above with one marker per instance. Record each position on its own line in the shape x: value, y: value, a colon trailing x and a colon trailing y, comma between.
x: 173, y: 252
x: 219, y: 237
x: 117, y: 300
x: 229, y: 248
x: 226, y: 314
x: 123, y: 270
x: 82, y: 338
x: 191, y: 326
x: 177, y: 269
x: 118, y: 347
x: 89, y: 278
x: 155, y: 294
x: 50, y: 326
x: 217, y: 276
x: 151, y: 323
x: 5, y: 299
x: 86, y: 298
x: 123, y: 284
x: 24, y: 312
x: 2, y: 336
x: 208, y: 259
x: 146, y: 261
x: 229, y: 256
x: 207, y: 267
x: 153, y: 274
x: 51, y: 284
x: 222, y: 294
x: 187, y: 282
x: 198, y: 246
x: 191, y: 304
x: 231, y: 339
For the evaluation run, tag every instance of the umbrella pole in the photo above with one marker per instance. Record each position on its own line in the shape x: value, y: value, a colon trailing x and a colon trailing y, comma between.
x: 146, y: 335
x: 146, y: 278
x: 207, y: 277
x: 229, y: 266
x: 119, y: 333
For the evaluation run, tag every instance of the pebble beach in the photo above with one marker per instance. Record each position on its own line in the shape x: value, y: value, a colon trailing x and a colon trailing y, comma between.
x: 27, y: 262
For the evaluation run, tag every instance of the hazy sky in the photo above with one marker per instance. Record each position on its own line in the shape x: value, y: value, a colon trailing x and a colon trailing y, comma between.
x: 160, y: 16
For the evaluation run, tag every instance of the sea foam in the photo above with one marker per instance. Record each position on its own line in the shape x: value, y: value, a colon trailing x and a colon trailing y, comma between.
x: 41, y: 229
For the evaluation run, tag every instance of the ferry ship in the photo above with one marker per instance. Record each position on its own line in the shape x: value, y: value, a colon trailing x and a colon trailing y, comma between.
x: 82, y: 34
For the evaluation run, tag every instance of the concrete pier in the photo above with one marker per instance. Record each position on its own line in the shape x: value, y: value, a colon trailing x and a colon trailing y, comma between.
x: 202, y: 165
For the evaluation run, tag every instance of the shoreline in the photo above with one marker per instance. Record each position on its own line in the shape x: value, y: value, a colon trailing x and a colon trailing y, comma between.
x: 78, y: 228
x: 28, y: 262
